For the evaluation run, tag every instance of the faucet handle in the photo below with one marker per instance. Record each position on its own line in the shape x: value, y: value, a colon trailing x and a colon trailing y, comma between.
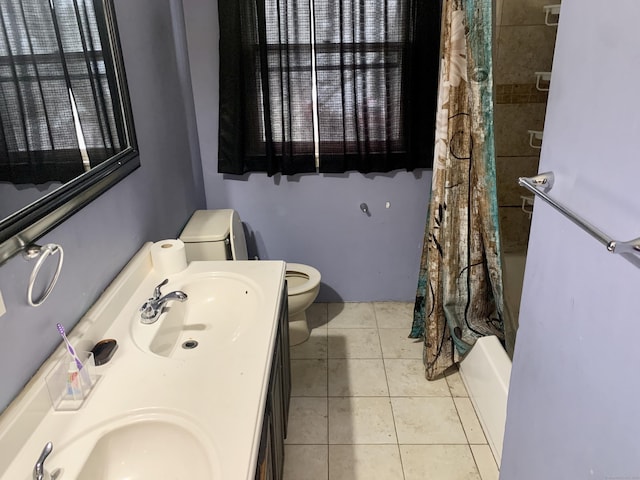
x: 156, y: 291
x: 38, y: 469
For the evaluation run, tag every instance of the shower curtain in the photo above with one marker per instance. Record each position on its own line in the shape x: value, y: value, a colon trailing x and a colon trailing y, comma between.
x: 459, y: 294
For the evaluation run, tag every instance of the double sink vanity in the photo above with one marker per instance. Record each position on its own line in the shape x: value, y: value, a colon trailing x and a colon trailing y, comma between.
x: 201, y: 393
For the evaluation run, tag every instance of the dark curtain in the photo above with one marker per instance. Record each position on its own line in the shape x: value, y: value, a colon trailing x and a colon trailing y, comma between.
x: 376, y: 64
x: 51, y: 56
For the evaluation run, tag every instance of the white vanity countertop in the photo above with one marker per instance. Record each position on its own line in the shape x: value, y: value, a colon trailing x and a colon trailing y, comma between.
x: 218, y: 394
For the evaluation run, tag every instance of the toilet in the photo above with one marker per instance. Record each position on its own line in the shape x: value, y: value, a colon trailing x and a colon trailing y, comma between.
x: 218, y: 235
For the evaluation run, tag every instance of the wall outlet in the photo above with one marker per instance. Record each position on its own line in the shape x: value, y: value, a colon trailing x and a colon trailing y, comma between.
x: 3, y: 309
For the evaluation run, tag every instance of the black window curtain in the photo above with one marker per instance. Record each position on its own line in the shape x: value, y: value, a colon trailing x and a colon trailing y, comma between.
x: 51, y: 57
x: 374, y: 64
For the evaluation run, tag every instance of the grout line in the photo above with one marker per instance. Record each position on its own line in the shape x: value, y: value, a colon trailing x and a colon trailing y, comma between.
x: 308, y: 396
x: 393, y: 415
x: 328, y: 408
x: 438, y: 443
x: 374, y: 444
x: 460, y: 420
x: 467, y: 437
x: 378, y: 396
x: 492, y: 458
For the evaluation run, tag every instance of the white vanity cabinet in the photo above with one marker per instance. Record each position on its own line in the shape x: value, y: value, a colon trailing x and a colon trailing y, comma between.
x: 274, y: 426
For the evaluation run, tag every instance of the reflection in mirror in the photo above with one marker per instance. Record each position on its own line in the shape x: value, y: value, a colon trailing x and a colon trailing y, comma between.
x: 66, y: 132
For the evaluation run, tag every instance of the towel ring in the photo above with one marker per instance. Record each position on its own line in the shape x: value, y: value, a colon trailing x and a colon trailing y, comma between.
x: 42, y: 253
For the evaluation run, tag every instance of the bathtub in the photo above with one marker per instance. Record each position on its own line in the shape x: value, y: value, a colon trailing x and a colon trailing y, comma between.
x: 486, y: 369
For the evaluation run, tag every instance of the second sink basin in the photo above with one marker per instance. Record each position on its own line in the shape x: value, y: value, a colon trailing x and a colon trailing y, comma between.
x: 149, y: 449
x: 220, y: 309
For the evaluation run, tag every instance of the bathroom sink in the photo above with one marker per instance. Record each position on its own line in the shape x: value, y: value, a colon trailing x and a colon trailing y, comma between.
x: 148, y: 449
x: 220, y: 310
x: 144, y: 446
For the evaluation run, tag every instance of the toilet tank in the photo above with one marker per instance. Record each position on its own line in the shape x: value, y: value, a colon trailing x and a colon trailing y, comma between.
x: 207, y: 235
x: 214, y: 235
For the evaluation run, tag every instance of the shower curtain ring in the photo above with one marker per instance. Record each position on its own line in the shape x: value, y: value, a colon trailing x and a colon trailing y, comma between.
x: 42, y: 253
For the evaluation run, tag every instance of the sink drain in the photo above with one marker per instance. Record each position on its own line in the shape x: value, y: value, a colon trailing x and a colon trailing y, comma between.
x: 189, y: 344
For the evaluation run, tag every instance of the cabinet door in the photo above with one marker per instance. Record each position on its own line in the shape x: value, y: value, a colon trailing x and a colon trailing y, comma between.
x: 277, y: 412
x: 286, y: 359
x: 271, y: 456
x: 264, y: 469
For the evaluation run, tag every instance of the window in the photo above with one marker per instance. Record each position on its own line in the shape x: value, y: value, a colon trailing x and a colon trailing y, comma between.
x: 327, y: 85
x: 57, y: 91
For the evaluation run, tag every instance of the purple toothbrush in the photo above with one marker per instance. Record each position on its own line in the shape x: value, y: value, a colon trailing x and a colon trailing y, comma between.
x: 83, y: 373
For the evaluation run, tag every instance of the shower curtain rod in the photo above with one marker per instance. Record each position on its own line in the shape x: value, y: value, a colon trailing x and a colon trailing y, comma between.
x: 540, y: 184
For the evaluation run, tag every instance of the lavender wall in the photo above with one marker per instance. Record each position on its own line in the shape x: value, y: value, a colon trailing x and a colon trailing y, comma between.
x: 573, y: 401
x: 313, y: 219
x: 151, y: 204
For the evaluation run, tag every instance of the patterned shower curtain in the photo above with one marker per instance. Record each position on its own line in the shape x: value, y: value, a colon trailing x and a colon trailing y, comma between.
x: 459, y: 295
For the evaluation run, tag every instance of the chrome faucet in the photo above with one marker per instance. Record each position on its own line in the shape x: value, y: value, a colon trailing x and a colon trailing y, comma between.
x: 152, y: 308
x: 38, y: 470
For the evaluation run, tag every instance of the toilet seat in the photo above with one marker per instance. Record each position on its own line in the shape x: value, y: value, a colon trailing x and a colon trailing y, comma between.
x: 311, y: 274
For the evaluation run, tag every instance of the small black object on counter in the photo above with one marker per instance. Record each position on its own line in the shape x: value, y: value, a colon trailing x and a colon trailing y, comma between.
x: 104, y: 350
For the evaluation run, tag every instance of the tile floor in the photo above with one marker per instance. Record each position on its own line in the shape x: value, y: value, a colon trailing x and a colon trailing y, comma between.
x: 362, y: 409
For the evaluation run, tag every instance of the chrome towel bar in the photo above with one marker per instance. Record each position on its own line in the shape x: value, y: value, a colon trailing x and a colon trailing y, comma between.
x: 540, y: 186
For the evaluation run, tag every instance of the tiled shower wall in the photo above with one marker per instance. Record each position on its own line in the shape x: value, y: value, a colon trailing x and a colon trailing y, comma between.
x: 523, y: 45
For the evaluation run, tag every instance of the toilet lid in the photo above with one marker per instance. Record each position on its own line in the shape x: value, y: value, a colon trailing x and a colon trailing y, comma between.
x: 207, y: 226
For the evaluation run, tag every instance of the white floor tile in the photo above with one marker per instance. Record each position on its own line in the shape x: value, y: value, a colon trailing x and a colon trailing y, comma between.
x: 427, y: 420
x: 363, y: 409
x: 308, y: 462
x: 406, y: 378
x: 351, y: 315
x: 356, y: 377
x: 354, y: 343
x: 470, y: 421
x: 485, y: 462
x: 315, y: 346
x: 361, y: 420
x: 364, y: 462
x: 308, y: 422
x: 394, y: 314
x: 396, y: 344
x: 438, y: 462
x: 308, y: 378
x: 456, y: 385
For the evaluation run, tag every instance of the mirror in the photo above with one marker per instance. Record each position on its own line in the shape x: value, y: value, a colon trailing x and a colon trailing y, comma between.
x: 66, y: 127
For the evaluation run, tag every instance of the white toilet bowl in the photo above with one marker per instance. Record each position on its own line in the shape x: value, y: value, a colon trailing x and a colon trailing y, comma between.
x: 303, y: 284
x: 218, y: 235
